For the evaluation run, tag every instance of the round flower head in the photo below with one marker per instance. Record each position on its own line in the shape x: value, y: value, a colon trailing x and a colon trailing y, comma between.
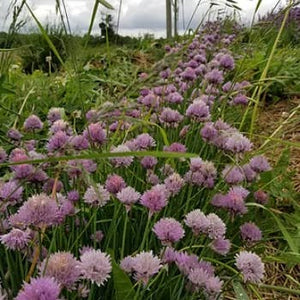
x: 170, y: 117
x: 168, y: 230
x: 227, y: 62
x: 145, y: 265
x: 156, y: 198
x: 79, y: 142
x: 128, y: 196
x: 3, y: 155
x: 126, y: 264
x: 198, y: 277
x: 95, y: 133
x: 175, y: 147
x: 221, y: 246
x: 249, y: 173
x: 188, y: 74
x: 259, y: 164
x: 148, y: 162
x: 197, y: 221
x: 16, y: 239
x: 32, y: 123
x: 96, y: 196
x: 213, y: 286
x: 63, y: 267
x: 58, y: 141
x: 216, y: 227
x: 43, y: 288
x: 174, y: 183
x: 250, y: 232
x: 214, y: 76
x: 233, y: 174
x: 39, y: 210
x: 261, y: 197
x: 198, y: 110
x: 114, y: 183
x: 237, y: 143
x: 73, y: 196
x: 251, y: 266
x: 124, y: 161
x: 14, y: 134
x: 144, y: 141
x: 54, y: 114
x: 95, y: 266
x: 11, y: 191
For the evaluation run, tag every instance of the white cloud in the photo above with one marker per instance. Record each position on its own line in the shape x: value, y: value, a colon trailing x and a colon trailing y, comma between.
x: 137, y: 16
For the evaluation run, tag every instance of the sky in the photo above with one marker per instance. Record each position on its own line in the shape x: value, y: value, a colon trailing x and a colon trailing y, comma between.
x: 137, y: 16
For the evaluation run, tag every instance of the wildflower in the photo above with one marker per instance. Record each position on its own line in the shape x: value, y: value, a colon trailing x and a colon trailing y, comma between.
x: 128, y: 196
x: 261, y: 197
x: 148, y: 162
x: 11, y: 191
x: 97, y: 236
x: 40, y: 288
x: 168, y: 230
x: 156, y: 198
x: 58, y: 141
x: 213, y: 286
x: 126, y: 264
x: 197, y: 221
x: 73, y: 196
x: 95, y: 266
x: 170, y: 117
x: 198, y: 277
x: 54, y: 114
x: 198, y: 110
x: 61, y: 125
x: 175, y: 147
x: 188, y: 74
x: 216, y: 227
x: 169, y: 255
x: 237, y: 143
x: 95, y: 133
x: 39, y: 210
x: 63, y: 267
x: 32, y: 123
x: 92, y: 115
x: 145, y: 265
x: 259, y: 164
x: 240, y: 99
x: 221, y: 246
x: 3, y: 155
x: 79, y: 142
x: 233, y: 174
x: 174, y: 183
x: 174, y: 97
x: 144, y: 141
x: 52, y: 184
x: 214, y: 76
x: 114, y: 183
x: 227, y: 62
x: 14, y: 134
x: 250, y: 174
x: 124, y: 161
x: 251, y: 266
x: 96, y: 196
x: 250, y: 232
x: 16, y: 239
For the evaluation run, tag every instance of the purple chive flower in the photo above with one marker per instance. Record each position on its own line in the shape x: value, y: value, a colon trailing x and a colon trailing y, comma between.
x: 40, y: 288
x: 249, y: 173
x: 240, y: 99
x: 32, y: 123
x: 61, y: 125
x: 54, y: 114
x: 3, y: 155
x: 114, y: 183
x: 16, y: 239
x: 198, y: 111
x: 237, y: 143
x: 97, y: 236
x: 174, y: 183
x: 124, y: 161
x: 170, y: 117
x: 79, y: 142
x: 148, y: 162
x: 156, y: 198
x: 213, y: 286
x: 92, y: 116
x: 39, y: 210
x: 128, y: 196
x: 78, y: 166
x: 152, y: 178
x: 126, y: 264
x: 22, y: 171
x: 58, y: 141
x: 169, y: 255
x: 14, y: 134
x: 168, y: 231
x: 63, y: 267
x: 227, y: 62
x: 174, y: 97
x: 208, y: 132
x: 233, y: 174
x: 214, y: 76
x: 193, y: 64
x: 30, y: 145
x: 145, y: 265
x: 96, y: 196
x: 198, y: 277
x: 73, y: 196
x: 49, y: 186
x: 251, y: 266
x: 175, y: 147
x: 11, y: 191
x: 144, y: 141
x: 259, y: 164
x: 188, y: 74
x: 95, y: 266
x: 216, y: 227
x: 197, y: 221
x: 250, y: 232
x: 95, y: 133
x: 66, y: 208
x: 221, y: 246
x: 261, y: 197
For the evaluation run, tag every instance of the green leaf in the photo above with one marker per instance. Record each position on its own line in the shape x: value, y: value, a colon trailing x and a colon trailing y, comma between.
x: 123, y: 286
x: 240, y: 292
x: 106, y: 4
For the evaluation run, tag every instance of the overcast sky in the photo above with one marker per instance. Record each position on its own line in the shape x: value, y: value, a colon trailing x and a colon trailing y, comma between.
x: 137, y: 16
